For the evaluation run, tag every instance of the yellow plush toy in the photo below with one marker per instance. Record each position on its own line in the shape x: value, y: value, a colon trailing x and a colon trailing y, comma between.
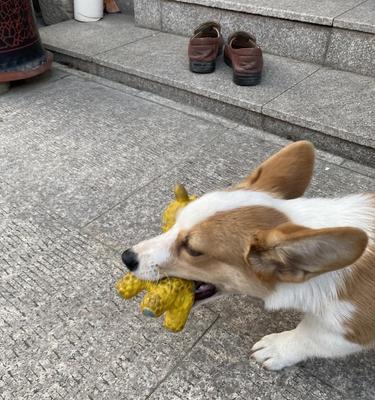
x: 172, y: 296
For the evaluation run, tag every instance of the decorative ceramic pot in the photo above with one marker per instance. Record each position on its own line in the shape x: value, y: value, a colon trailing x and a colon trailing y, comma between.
x: 21, y: 52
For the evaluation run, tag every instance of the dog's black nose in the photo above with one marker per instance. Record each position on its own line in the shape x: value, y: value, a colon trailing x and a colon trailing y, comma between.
x: 129, y: 258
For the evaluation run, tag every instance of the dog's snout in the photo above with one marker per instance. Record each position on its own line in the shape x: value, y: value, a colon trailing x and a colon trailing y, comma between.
x: 130, y: 259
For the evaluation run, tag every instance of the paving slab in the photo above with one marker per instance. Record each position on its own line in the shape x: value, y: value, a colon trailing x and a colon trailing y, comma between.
x: 315, y: 11
x: 169, y: 65
x: 360, y: 18
x: 78, y: 146
x: 336, y: 102
x: 94, y: 37
x: 66, y: 333
x: 219, y: 367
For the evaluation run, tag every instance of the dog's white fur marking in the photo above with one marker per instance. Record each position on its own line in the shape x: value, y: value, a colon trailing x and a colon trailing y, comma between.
x: 355, y: 211
x: 314, y: 337
x: 310, y: 296
x: 152, y: 253
x: 214, y: 202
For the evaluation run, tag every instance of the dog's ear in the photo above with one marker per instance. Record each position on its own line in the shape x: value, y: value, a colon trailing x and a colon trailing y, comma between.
x: 292, y: 253
x: 286, y: 174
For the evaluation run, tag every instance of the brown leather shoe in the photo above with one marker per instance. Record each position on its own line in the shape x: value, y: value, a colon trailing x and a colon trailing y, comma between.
x: 204, y: 47
x: 245, y: 57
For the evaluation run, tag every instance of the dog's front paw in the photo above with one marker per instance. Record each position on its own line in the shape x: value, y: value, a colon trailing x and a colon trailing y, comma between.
x: 278, y: 350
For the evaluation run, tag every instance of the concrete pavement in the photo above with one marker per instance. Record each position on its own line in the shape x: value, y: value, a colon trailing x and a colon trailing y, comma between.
x: 87, y: 166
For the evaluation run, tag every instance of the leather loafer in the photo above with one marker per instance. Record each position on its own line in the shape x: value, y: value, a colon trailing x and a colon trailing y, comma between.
x: 245, y: 57
x: 204, y: 47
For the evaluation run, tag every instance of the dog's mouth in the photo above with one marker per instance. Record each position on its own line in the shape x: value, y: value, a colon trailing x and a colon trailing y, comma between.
x: 204, y: 290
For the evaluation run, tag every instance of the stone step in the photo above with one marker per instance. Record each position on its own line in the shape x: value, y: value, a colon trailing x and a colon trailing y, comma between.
x: 335, y: 33
x: 334, y: 109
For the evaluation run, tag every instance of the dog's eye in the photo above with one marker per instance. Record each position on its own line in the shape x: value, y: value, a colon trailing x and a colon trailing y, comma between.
x: 193, y: 253
x: 190, y: 251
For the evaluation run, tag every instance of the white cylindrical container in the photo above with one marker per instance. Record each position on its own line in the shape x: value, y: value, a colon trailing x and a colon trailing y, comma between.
x: 88, y: 10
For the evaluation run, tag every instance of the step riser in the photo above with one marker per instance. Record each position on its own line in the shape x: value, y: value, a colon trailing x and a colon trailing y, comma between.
x: 340, y: 147
x: 343, y: 49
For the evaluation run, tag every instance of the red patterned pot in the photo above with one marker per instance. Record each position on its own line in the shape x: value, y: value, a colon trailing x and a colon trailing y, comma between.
x: 21, y: 52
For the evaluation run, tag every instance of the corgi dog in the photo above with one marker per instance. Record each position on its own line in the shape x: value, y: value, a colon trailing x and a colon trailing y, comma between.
x: 260, y: 238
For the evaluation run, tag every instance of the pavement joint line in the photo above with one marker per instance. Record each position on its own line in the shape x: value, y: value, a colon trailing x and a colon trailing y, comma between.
x: 342, y: 165
x: 291, y: 87
x: 179, y: 362
x: 126, y: 44
x: 344, y: 12
x: 61, y: 77
x: 103, y: 243
x: 336, y: 389
x: 165, y: 173
x: 328, y: 43
x: 62, y: 221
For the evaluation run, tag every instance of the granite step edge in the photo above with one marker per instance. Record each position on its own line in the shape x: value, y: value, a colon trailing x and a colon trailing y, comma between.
x: 336, y: 19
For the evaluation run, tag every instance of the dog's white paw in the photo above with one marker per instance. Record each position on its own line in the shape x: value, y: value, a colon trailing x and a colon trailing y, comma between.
x: 278, y: 350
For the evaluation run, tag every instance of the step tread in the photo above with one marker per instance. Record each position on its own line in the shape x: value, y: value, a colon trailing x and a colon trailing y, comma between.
x: 334, y: 102
x: 86, y: 39
x: 338, y: 103
x: 360, y: 18
x: 350, y: 14
x: 169, y: 65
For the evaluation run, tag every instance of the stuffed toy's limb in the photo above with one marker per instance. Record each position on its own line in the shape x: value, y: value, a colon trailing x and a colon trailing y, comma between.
x: 153, y: 305
x: 173, y: 296
x: 175, y: 318
x: 129, y: 286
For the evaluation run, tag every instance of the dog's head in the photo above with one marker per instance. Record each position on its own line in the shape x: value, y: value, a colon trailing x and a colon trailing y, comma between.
x: 238, y: 239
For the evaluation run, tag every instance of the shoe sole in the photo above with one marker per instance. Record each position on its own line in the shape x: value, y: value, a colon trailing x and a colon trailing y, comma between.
x: 204, y: 67
x: 251, y: 79
x: 200, y: 67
